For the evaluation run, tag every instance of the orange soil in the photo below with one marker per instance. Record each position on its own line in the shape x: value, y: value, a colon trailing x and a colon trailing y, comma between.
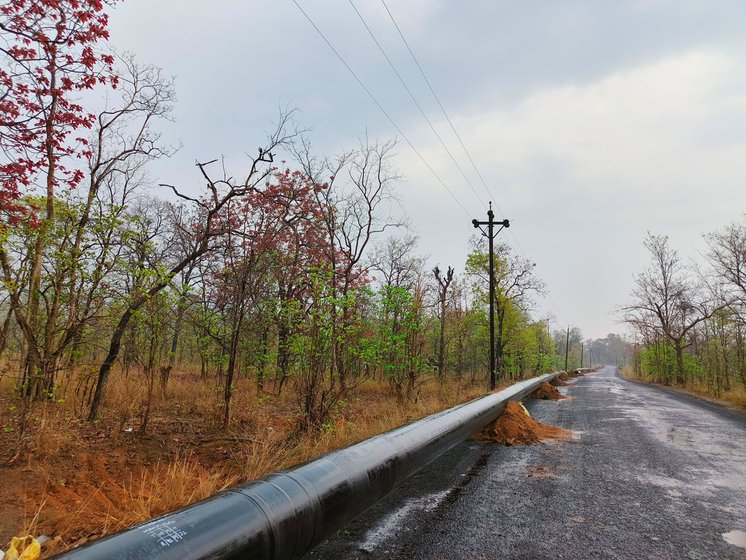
x: 564, y: 376
x: 547, y: 392
x: 86, y: 491
x: 515, y: 427
x: 77, y: 481
x: 557, y: 382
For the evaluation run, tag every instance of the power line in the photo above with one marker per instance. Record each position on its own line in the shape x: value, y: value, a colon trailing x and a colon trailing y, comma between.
x: 393, y: 123
x: 452, y: 126
x: 437, y: 99
x: 414, y: 100
x: 442, y: 108
x: 373, y: 98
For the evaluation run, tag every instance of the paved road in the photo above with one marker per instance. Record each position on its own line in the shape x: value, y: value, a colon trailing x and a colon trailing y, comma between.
x: 650, y: 474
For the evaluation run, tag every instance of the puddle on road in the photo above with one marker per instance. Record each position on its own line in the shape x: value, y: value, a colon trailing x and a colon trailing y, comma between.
x: 617, y: 389
x: 681, y: 436
x: 736, y: 538
x: 672, y: 486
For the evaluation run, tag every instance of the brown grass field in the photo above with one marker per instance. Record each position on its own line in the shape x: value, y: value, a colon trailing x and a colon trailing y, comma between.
x: 74, y: 481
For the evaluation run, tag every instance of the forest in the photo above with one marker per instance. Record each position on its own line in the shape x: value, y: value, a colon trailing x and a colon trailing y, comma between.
x: 162, y: 340
x: 689, y: 317
x: 154, y: 335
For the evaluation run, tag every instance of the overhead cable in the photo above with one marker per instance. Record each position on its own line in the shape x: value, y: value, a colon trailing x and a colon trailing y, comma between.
x: 417, y: 104
x: 452, y: 126
x: 390, y: 119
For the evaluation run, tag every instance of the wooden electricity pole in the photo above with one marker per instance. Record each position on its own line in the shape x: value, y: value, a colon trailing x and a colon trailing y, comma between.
x: 490, y: 234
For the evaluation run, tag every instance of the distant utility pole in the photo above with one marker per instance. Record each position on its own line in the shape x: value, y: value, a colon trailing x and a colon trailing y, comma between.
x: 567, y: 345
x: 582, y: 347
x: 490, y: 234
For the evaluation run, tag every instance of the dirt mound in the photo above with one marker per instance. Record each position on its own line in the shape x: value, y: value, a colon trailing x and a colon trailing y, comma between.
x: 515, y: 427
x: 564, y: 376
x: 557, y: 382
x: 547, y: 392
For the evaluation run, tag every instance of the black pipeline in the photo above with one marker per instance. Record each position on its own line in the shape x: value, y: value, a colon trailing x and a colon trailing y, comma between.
x: 283, y: 515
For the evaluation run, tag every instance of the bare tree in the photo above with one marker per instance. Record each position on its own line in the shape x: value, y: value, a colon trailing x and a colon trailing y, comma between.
x: 182, y: 239
x: 727, y: 255
x: 396, y: 262
x: 147, y: 242
x: 666, y: 302
x: 356, y: 206
x: 443, y: 284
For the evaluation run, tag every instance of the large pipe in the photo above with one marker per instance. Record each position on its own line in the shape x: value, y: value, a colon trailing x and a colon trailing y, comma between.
x: 283, y: 515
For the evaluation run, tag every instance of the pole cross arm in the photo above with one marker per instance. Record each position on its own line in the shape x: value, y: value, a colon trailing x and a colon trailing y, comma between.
x: 503, y: 223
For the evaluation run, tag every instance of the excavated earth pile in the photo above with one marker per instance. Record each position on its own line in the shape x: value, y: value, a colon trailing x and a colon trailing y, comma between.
x: 557, y: 382
x: 515, y: 427
x: 547, y: 392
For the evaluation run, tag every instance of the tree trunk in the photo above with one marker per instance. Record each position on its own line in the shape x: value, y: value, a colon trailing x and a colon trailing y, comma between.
x: 442, y: 340
x: 4, y: 331
x: 34, y: 366
x: 339, y: 341
x: 260, y: 370
x: 740, y: 355
x: 232, y: 360
x: 150, y: 378
x: 166, y: 371
x: 75, y: 349
x: 105, y: 370
x: 180, y: 312
x: 283, y: 353
x: 203, y: 367
x: 680, y: 376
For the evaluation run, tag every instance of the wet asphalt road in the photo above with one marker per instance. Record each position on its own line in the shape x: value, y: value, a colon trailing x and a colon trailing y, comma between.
x: 649, y: 474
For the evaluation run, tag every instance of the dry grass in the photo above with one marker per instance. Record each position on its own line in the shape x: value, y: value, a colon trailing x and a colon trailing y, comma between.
x: 168, y: 486
x: 736, y: 396
x: 77, y: 481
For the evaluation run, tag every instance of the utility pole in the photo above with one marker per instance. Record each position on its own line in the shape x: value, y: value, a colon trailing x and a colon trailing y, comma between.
x: 490, y: 234
x: 582, y: 347
x: 567, y: 345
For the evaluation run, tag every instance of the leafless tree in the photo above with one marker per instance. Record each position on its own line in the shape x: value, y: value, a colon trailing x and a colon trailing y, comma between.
x: 727, y: 256
x: 358, y: 204
x: 396, y: 262
x: 444, y: 283
x: 667, y: 303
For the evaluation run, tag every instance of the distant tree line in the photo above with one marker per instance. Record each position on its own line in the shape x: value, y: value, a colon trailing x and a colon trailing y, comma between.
x: 690, y: 319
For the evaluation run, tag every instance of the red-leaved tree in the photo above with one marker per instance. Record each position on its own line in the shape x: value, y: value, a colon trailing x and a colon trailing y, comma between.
x: 48, y: 55
x: 274, y: 239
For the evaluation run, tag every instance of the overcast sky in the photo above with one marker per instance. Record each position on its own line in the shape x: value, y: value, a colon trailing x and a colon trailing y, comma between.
x: 592, y: 122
